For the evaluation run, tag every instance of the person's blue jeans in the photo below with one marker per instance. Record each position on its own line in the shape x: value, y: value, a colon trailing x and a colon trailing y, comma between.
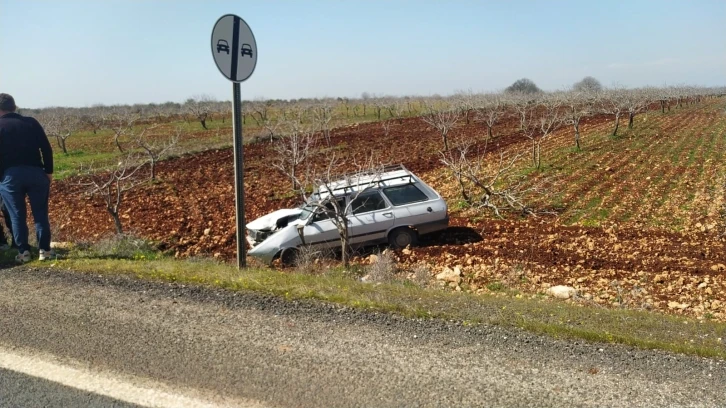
x: 17, y: 183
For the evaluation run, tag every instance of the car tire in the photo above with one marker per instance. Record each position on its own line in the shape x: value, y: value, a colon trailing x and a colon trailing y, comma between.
x: 289, y: 256
x: 402, y: 237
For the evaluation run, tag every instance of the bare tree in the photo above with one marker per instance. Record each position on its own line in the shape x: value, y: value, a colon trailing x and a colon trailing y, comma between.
x: 379, y: 104
x: 322, y: 115
x: 441, y: 119
x: 94, y: 119
x: 393, y: 106
x: 489, y: 181
x: 490, y: 109
x: 293, y: 149
x: 271, y: 127
x: 386, y: 125
x: 261, y: 107
x: 60, y: 124
x: 540, y: 124
x: 466, y: 103
x: 611, y: 103
x: 523, y: 105
x: 635, y: 101
x: 200, y: 108
x: 578, y: 105
x: 338, y: 207
x: 111, y: 186
x: 121, y: 122
x: 156, y: 150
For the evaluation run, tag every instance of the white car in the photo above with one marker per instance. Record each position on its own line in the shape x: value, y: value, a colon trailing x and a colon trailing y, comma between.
x: 392, y: 206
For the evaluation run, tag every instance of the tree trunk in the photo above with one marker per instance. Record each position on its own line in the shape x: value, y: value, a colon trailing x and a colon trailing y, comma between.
x: 116, y: 220
x: 538, y: 156
x: 662, y: 106
x: 577, y: 136
x: 118, y: 144
x: 204, y: 123
x: 153, y: 169
x: 344, y: 243
x: 446, y: 141
x: 292, y: 178
x: 617, y: 124
x: 631, y: 116
x: 489, y: 131
x: 463, y: 190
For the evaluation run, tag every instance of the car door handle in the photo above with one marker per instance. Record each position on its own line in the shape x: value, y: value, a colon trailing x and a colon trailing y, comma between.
x: 388, y: 214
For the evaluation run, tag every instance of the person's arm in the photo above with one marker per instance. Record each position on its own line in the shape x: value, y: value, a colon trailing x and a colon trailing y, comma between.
x: 46, y: 151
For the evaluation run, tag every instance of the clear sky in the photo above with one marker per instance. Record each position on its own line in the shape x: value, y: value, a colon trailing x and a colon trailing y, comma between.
x: 80, y: 53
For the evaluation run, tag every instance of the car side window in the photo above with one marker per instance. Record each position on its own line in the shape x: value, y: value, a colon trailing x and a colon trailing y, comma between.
x: 400, y: 195
x: 327, y: 211
x: 368, y: 202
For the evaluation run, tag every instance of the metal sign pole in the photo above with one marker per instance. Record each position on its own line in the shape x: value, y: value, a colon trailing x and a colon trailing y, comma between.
x: 234, y: 50
x: 239, y: 174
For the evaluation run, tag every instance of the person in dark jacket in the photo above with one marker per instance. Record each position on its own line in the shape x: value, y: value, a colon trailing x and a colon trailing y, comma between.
x: 26, y: 162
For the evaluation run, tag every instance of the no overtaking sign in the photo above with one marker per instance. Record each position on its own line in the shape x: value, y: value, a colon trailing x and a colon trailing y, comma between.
x: 234, y: 48
x: 235, y: 52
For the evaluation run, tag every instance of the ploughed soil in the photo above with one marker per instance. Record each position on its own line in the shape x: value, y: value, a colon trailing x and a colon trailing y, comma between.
x: 190, y: 211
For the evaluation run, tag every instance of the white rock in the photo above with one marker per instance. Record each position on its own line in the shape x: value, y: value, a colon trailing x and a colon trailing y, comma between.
x: 449, y: 275
x: 61, y: 245
x: 562, y: 292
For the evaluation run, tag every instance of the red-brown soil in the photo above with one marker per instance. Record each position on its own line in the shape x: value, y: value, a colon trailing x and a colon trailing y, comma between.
x: 190, y: 211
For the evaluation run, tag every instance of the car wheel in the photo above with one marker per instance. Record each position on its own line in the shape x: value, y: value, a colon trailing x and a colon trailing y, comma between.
x: 401, y: 238
x: 289, y: 256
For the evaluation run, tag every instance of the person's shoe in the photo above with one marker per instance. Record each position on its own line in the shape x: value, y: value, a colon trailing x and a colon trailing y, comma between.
x: 46, y: 255
x: 4, y: 247
x: 23, y: 257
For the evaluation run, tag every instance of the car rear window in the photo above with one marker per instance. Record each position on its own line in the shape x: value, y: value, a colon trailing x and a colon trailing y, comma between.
x: 400, y: 195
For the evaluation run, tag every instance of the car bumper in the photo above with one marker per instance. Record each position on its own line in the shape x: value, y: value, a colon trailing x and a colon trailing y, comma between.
x: 433, y: 226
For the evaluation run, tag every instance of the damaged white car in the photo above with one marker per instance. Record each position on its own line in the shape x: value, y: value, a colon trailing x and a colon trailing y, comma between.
x: 392, y: 206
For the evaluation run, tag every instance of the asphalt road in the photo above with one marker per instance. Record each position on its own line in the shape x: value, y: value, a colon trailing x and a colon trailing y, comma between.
x: 104, y: 341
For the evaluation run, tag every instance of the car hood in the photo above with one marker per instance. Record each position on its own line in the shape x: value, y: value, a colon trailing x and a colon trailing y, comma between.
x: 269, y: 221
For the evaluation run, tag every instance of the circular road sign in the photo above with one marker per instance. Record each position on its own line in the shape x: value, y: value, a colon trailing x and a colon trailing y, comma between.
x: 234, y: 48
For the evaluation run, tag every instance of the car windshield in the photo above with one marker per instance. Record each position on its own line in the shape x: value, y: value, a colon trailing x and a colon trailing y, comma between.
x: 307, y: 209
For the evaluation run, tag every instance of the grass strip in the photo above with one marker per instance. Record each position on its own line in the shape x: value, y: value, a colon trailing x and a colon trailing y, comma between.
x: 536, y: 314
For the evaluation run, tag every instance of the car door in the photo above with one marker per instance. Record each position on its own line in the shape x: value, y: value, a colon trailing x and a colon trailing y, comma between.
x: 370, y: 218
x: 321, y: 232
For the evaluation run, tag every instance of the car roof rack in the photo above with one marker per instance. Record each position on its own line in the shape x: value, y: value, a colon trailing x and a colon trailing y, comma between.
x: 348, y: 181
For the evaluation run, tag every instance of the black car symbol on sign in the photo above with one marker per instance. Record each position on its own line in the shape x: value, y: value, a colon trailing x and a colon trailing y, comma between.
x: 246, y: 50
x: 223, y: 45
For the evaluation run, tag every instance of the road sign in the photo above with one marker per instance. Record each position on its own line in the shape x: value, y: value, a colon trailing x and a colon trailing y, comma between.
x: 235, y: 52
x: 234, y: 48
